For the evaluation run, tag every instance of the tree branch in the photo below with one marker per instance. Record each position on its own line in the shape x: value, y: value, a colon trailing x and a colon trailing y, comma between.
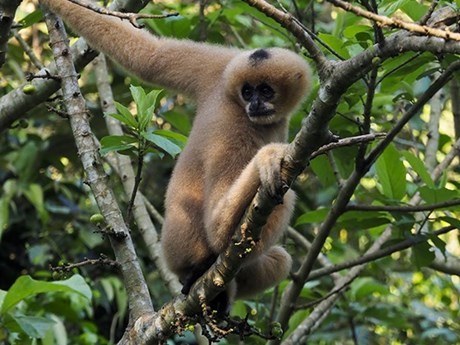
x: 16, y: 103
x: 120, y: 239
x: 404, y: 208
x: 378, y: 254
x: 396, y: 23
x: 7, y: 11
x: 124, y: 169
x: 322, y: 309
x: 130, y: 16
x: 287, y: 21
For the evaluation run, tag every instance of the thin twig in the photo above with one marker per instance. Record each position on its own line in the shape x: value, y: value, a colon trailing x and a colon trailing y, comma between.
x: 396, y: 23
x: 131, y: 17
x: 381, y: 253
x: 351, y: 141
x: 403, y: 208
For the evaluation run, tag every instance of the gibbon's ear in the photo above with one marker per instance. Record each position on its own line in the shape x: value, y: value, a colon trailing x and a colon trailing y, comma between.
x: 180, y: 65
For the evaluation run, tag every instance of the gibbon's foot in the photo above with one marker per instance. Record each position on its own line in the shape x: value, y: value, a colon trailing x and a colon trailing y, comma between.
x: 195, y: 273
x: 221, y: 304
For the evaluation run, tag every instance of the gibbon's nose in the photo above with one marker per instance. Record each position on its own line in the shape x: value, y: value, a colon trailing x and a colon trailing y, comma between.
x: 254, y: 105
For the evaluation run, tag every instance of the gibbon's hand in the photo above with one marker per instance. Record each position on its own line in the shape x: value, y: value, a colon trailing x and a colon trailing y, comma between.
x: 268, y: 162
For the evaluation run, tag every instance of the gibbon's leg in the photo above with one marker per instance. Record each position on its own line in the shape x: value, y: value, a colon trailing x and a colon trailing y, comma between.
x: 267, y: 270
x: 224, y: 213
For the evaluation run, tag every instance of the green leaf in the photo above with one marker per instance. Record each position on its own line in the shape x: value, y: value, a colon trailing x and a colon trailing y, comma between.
x: 143, y: 115
x: 422, y: 255
x: 145, y: 104
x: 315, y: 216
x: 177, y: 27
x: 25, y: 163
x: 435, y: 195
x: 439, y: 243
x: 414, y: 10
x: 180, y: 121
x: 391, y: 173
x: 138, y: 94
x: 295, y: 320
x: 31, y: 19
x: 34, y: 194
x: 239, y: 309
x: 452, y: 221
x: 367, y: 286
x: 117, y: 143
x: 358, y: 220
x: 163, y: 143
x: 177, y: 138
x: 351, y: 31
x: 25, y: 287
x: 418, y: 166
x: 125, y: 116
x: 322, y: 169
x: 4, y: 214
x: 336, y: 44
x: 388, y: 7
x: 33, y: 326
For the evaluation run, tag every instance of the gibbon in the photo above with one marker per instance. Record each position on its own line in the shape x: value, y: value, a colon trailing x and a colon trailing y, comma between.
x: 244, y: 102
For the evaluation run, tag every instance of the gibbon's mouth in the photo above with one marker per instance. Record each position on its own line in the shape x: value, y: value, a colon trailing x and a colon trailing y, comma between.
x: 260, y: 113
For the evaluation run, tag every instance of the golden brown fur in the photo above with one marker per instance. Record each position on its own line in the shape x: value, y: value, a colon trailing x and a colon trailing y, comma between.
x: 229, y: 153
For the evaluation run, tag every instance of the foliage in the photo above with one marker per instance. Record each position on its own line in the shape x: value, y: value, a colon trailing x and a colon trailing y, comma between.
x: 142, y: 139
x: 45, y: 205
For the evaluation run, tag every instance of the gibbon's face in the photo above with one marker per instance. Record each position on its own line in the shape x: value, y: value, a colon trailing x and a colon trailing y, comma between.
x: 269, y: 84
x: 258, y: 100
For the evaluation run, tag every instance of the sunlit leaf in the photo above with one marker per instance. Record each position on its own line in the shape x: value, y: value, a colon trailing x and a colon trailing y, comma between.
x: 31, y: 18
x: 418, y: 166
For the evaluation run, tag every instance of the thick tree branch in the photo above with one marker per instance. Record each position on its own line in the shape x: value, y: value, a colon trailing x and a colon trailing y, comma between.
x: 126, y: 173
x: 7, y: 11
x: 119, y: 234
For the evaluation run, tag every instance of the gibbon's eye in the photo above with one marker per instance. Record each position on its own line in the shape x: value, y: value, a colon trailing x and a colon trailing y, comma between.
x: 266, y: 91
x: 246, y: 92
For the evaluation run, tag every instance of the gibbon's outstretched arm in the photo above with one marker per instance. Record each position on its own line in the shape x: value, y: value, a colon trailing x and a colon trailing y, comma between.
x: 180, y: 65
